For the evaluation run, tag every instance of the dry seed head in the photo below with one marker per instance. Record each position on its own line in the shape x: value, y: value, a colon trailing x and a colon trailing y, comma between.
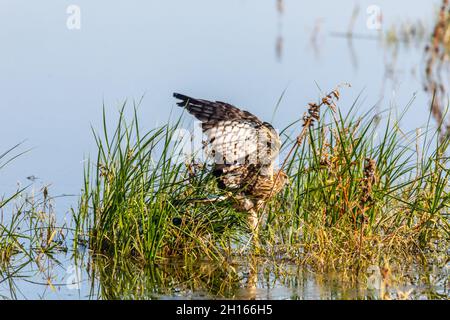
x: 313, y: 109
x: 369, y: 169
x: 368, y: 181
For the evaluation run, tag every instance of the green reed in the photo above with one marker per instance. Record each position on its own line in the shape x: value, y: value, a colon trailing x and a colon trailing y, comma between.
x: 132, y: 202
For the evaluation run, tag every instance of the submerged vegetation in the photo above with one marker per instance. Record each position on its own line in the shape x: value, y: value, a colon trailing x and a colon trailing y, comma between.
x: 362, y: 192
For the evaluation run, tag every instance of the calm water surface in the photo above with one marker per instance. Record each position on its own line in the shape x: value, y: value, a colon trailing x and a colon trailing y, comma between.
x: 64, y: 278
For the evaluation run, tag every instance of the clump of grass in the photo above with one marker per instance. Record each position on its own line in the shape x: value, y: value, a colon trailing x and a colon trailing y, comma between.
x: 353, y: 201
x: 9, y: 237
x: 132, y: 203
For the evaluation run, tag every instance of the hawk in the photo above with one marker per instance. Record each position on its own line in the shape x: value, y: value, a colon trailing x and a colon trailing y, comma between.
x: 243, y: 149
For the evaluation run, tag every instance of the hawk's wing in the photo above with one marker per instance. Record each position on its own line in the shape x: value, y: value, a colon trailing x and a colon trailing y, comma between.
x: 206, y: 111
x: 236, y: 138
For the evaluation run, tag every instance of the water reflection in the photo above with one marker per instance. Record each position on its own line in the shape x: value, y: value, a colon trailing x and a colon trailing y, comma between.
x: 127, y: 280
x: 65, y: 275
x: 248, y: 279
x: 241, y: 279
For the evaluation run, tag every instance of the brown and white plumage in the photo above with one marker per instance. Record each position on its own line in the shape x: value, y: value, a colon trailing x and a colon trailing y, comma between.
x: 244, y: 150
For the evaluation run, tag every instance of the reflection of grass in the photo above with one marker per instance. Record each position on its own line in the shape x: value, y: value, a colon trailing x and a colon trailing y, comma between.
x: 248, y: 278
x: 353, y: 200
x: 124, y: 279
x: 29, y: 238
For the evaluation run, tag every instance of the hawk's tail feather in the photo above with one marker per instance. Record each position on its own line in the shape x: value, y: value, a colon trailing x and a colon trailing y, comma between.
x: 184, y: 99
x: 206, y: 110
x: 203, y: 110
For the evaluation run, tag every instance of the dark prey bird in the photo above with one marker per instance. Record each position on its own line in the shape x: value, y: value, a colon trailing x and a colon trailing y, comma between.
x: 243, y: 149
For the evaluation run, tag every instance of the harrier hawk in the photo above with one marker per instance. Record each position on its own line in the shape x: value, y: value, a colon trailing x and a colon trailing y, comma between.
x: 243, y: 149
